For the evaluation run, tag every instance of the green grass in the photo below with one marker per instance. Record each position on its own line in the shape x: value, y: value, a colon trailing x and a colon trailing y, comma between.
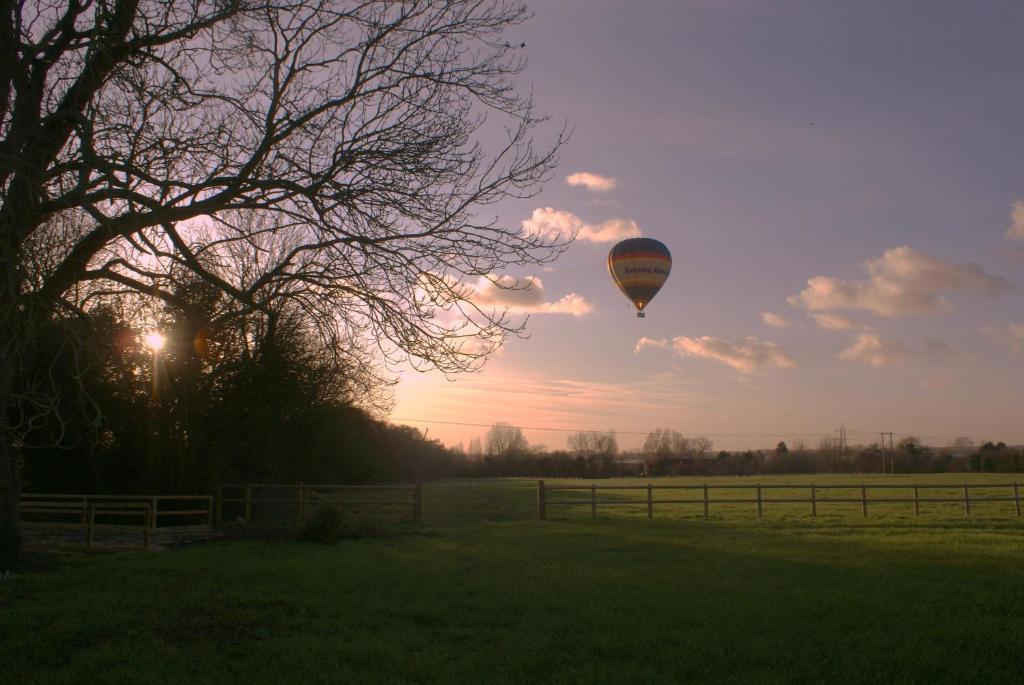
x: 482, y: 592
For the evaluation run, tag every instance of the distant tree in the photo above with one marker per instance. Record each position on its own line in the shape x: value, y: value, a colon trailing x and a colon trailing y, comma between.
x: 590, y: 443
x: 666, y: 442
x: 962, y: 446
x: 991, y: 457
x: 781, y: 450
x: 506, y: 440
x: 579, y: 443
x: 700, y: 446
x: 913, y: 455
x: 909, y: 446
x: 829, y: 452
x: 476, y: 448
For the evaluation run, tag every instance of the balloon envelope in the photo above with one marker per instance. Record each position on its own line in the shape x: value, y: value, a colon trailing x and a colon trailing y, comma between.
x: 640, y: 267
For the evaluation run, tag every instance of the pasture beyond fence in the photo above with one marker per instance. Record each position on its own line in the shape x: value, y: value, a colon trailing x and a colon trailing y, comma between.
x: 833, y: 494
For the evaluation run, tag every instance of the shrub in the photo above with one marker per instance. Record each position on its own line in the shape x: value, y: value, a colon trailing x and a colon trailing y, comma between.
x: 324, y: 526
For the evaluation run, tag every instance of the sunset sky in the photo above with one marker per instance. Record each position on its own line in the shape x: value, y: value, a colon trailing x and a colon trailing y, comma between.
x: 842, y: 189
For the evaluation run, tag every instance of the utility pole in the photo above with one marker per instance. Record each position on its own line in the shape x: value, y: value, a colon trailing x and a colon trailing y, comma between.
x: 841, y: 443
x: 892, y: 451
x: 881, y: 445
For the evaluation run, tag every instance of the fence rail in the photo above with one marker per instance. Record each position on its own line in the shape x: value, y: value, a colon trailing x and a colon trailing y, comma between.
x: 168, y: 512
x: 307, y: 497
x: 89, y: 517
x: 760, y: 499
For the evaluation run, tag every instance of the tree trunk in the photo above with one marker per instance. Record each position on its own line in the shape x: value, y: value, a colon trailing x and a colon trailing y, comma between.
x: 10, y: 528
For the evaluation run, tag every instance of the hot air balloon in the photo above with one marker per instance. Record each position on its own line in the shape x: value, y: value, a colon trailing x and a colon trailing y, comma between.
x: 639, y: 267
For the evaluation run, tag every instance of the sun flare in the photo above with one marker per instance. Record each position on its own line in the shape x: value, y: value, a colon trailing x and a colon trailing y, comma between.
x: 154, y: 340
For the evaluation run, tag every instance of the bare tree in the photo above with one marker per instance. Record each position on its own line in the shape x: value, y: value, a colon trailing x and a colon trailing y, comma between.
x: 962, y: 446
x: 505, y: 440
x: 341, y: 144
x: 476, y: 448
x: 666, y: 442
x: 700, y: 446
x: 589, y: 443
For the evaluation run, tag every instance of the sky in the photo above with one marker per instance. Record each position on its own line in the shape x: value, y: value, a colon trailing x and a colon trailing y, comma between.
x: 841, y: 186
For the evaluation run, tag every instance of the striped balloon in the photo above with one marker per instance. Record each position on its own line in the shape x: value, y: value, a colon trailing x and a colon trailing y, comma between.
x: 640, y: 267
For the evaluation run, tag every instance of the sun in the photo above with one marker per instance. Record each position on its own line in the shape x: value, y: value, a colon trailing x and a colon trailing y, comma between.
x: 154, y: 340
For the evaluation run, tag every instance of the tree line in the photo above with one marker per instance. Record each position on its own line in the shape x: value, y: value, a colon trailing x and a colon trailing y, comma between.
x: 504, y: 451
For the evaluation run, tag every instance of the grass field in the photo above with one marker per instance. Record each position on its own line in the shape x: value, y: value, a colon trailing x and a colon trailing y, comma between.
x: 482, y: 592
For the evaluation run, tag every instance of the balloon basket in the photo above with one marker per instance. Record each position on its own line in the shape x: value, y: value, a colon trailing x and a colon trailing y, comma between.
x: 640, y: 315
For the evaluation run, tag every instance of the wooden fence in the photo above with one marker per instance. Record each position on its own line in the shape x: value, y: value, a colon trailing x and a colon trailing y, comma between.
x: 89, y: 517
x: 303, y: 499
x: 763, y: 496
x: 133, y: 514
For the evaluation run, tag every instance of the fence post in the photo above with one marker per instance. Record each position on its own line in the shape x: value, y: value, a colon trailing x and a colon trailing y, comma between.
x: 152, y: 514
x: 541, y: 513
x: 145, y: 531
x: 967, y: 501
x: 593, y: 501
x: 759, y: 501
x: 1016, y: 498
x: 302, y: 501
x: 248, y: 503
x: 417, y: 502
x: 864, y: 499
x: 706, y: 503
x: 218, y: 510
x: 92, y: 521
x: 814, y: 500
x: 917, y: 503
x: 650, y: 501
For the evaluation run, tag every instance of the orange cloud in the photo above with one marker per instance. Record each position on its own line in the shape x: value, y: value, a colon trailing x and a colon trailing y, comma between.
x: 555, y: 223
x: 595, y: 183
x: 902, y: 281
x: 876, y: 351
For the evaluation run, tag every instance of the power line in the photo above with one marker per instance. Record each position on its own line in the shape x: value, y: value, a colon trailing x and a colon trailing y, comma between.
x: 587, y: 430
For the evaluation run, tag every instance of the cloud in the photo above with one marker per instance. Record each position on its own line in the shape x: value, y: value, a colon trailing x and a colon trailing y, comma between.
x: 607, y: 202
x: 936, y: 349
x: 644, y: 343
x: 876, y: 351
x: 746, y: 355
x: 595, y: 183
x: 1017, y: 254
x: 902, y: 281
x: 934, y: 384
x: 1011, y: 336
x: 774, y: 320
x: 1016, y: 229
x: 523, y: 296
x: 569, y: 304
x: 554, y: 223
x: 835, y: 322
